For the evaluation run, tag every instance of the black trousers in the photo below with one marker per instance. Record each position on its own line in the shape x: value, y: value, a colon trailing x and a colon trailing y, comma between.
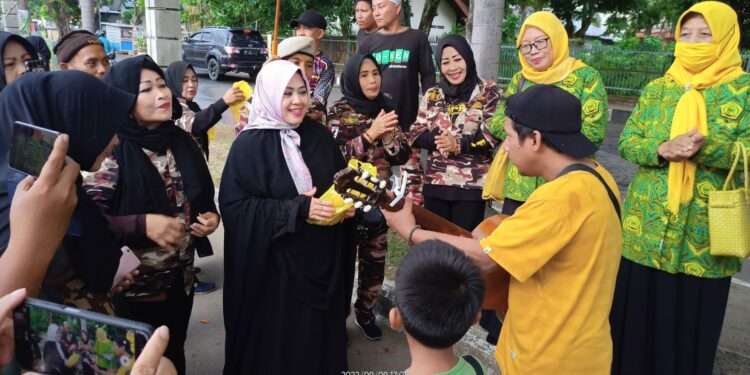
x: 174, y: 312
x: 465, y: 214
x: 665, y: 324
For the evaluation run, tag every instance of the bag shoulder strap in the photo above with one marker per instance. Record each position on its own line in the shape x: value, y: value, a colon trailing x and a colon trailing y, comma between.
x: 474, y: 364
x: 521, y: 83
x: 586, y: 168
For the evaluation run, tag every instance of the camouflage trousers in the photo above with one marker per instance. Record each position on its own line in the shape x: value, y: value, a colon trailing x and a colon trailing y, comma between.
x: 372, y: 250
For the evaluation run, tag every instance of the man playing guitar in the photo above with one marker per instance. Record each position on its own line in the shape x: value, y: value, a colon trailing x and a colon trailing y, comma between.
x: 561, y: 248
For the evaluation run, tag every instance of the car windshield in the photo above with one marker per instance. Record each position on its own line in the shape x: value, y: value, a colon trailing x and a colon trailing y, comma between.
x: 241, y: 38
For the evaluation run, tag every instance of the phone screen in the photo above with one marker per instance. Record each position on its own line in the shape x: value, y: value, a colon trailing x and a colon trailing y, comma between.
x: 30, y: 147
x: 53, y: 341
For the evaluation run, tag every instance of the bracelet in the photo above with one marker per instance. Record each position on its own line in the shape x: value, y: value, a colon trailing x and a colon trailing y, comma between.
x: 411, y: 233
x: 367, y: 138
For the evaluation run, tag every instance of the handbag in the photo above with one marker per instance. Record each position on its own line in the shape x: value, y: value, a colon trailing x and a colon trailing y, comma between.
x: 729, y: 213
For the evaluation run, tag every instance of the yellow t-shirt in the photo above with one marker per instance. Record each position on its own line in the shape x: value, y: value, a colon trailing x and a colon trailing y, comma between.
x: 562, y: 248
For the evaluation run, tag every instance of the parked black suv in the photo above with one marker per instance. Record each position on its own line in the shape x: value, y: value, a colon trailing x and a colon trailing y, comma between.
x: 224, y: 49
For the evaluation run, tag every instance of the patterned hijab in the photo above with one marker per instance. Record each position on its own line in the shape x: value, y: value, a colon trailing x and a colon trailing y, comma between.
x: 267, y: 113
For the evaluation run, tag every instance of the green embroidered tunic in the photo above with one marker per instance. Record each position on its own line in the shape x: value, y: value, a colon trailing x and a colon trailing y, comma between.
x: 586, y: 84
x: 652, y: 236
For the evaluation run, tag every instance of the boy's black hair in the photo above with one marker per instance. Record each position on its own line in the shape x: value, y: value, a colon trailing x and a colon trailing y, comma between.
x: 357, y: 2
x: 439, y: 292
x: 524, y: 132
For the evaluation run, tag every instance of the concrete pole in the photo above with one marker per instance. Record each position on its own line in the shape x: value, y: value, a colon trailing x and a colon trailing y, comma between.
x: 10, y: 16
x: 486, y: 36
x: 163, y: 31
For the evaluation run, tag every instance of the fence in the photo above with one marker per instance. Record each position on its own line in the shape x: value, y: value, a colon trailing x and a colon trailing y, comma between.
x: 624, y: 72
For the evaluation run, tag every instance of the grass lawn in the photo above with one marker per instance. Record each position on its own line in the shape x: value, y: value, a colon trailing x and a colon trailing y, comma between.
x: 219, y: 147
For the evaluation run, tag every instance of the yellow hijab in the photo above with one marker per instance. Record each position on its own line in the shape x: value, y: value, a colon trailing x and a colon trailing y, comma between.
x: 563, y: 64
x: 698, y: 66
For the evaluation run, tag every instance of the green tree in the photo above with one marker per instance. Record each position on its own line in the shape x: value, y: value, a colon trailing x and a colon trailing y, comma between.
x: 62, y: 12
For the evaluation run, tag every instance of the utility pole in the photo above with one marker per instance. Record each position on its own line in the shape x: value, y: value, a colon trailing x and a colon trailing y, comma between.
x: 163, y: 40
x: 486, y: 36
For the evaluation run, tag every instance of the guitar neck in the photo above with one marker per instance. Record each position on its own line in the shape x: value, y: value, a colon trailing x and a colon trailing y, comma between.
x: 431, y: 221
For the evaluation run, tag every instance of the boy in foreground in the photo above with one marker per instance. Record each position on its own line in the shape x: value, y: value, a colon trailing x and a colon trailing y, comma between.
x: 439, y: 294
x: 561, y: 247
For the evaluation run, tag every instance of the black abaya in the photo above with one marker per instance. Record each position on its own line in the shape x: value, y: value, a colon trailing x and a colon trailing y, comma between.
x: 284, y: 288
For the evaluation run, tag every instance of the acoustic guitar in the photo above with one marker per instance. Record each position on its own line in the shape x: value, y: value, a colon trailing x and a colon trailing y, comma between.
x: 359, y: 185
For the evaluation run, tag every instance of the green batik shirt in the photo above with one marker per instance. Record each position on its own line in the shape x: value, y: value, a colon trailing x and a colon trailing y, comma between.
x: 652, y: 236
x: 586, y: 84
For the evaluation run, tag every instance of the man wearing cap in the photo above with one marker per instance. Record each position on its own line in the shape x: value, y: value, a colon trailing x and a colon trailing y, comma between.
x: 83, y: 51
x: 312, y: 24
x: 365, y: 20
x: 299, y: 50
x: 405, y: 58
x: 561, y: 248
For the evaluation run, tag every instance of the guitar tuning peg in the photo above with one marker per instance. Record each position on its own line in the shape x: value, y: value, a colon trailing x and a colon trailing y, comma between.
x: 367, y: 208
x: 365, y: 175
x: 382, y: 184
x: 348, y: 201
x: 358, y: 205
x: 374, y: 180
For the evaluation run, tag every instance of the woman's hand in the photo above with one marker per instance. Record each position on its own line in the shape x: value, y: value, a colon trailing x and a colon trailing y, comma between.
x: 165, y: 231
x: 207, y: 224
x: 233, y: 96
x: 320, y: 210
x: 125, y: 283
x: 7, y: 344
x: 382, y: 125
x: 682, y: 147
x: 446, y: 143
x: 152, y: 360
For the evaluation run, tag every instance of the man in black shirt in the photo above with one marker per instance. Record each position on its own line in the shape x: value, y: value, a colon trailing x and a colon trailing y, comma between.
x: 405, y: 57
x: 365, y: 20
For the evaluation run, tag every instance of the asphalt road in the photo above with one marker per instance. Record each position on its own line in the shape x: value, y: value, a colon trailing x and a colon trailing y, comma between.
x: 206, y: 337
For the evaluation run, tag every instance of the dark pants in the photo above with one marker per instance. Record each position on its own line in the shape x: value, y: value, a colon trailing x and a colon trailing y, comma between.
x: 665, y: 324
x: 174, y: 312
x: 465, y: 214
x: 489, y: 320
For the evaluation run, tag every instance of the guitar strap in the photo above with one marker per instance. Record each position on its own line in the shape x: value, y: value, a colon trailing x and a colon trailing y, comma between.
x: 474, y: 364
x: 586, y: 168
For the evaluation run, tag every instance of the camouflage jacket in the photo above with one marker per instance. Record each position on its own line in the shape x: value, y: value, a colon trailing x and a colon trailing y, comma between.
x: 467, y: 169
x: 347, y: 127
x: 159, y: 267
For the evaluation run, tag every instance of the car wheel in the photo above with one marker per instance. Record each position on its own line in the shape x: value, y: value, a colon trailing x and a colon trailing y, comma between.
x: 214, y: 70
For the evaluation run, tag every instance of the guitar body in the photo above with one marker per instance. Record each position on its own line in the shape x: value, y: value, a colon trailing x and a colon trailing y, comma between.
x: 497, y: 282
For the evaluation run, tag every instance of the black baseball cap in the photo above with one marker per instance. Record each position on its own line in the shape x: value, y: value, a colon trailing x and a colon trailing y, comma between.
x: 309, y: 18
x: 555, y: 113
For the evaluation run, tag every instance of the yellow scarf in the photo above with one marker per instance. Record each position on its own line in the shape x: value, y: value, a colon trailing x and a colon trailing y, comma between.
x: 698, y: 66
x: 563, y: 64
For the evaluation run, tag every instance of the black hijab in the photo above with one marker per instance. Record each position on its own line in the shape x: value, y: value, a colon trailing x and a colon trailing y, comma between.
x: 42, y: 49
x: 352, y: 91
x: 140, y: 189
x: 6, y: 37
x: 462, y: 92
x: 90, y: 112
x: 175, y: 77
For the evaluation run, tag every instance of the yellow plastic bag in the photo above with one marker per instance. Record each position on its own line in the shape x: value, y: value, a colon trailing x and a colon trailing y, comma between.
x: 729, y: 214
x: 493, y: 184
x: 247, y: 91
x: 338, y: 204
x: 211, y: 133
x: 72, y: 361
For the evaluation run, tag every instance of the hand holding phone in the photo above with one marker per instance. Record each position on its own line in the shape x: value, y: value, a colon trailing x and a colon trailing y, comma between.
x: 129, y: 262
x: 30, y: 146
x: 7, y: 304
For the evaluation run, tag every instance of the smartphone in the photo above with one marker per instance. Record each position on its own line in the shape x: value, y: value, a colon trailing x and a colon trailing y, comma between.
x: 30, y: 146
x: 34, y: 66
x: 128, y: 263
x: 57, y: 339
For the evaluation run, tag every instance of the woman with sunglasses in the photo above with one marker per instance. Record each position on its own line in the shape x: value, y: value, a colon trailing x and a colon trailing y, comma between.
x: 545, y: 59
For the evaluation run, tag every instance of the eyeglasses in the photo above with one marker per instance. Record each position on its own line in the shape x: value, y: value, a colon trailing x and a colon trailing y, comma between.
x: 540, y: 44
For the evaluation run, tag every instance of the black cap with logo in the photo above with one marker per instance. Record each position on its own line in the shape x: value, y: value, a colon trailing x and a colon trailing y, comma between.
x: 309, y: 18
x: 555, y: 113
